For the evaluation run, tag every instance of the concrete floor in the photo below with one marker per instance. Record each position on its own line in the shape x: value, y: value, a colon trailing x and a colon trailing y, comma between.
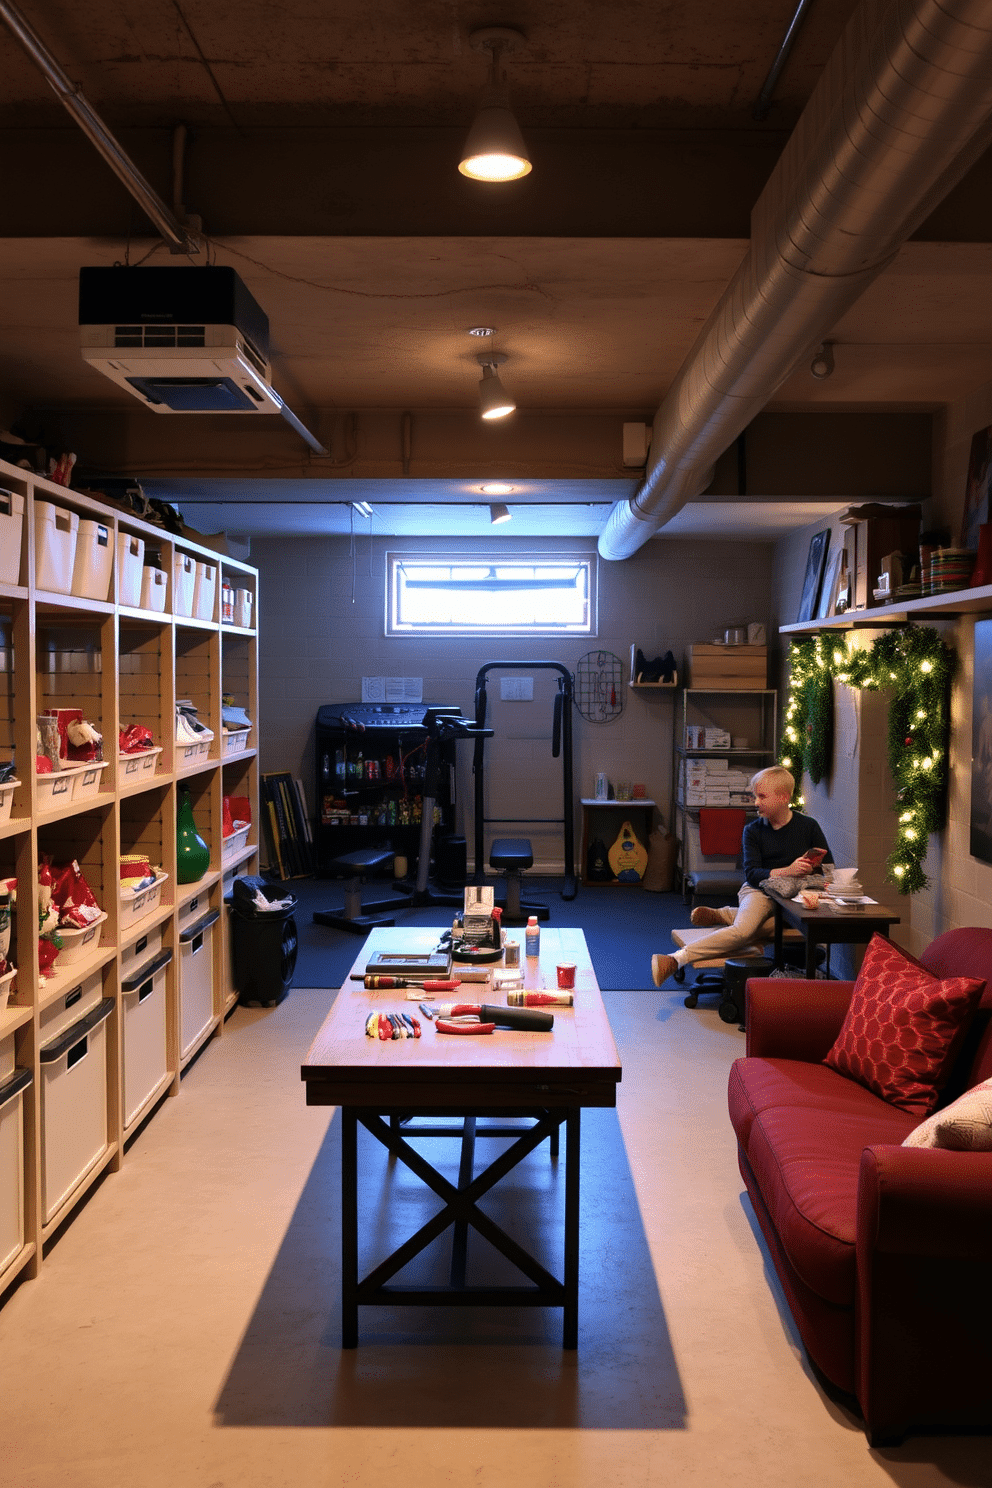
x: 184, y: 1330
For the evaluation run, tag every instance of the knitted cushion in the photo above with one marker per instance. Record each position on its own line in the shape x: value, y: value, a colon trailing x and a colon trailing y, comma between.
x: 965, y: 1125
x: 903, y: 1027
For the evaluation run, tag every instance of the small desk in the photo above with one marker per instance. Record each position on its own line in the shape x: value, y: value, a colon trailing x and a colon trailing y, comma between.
x: 828, y: 926
x: 546, y: 1076
x: 604, y: 819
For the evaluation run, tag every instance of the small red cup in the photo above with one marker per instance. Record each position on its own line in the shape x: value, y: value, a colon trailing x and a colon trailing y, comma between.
x: 566, y: 975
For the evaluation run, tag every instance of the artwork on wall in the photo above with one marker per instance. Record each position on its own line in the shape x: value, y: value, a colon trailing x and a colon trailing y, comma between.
x: 831, y: 581
x: 976, y: 499
x: 814, y: 575
x: 981, y: 745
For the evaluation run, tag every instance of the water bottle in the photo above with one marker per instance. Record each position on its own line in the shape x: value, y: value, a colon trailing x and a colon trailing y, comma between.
x: 532, y: 936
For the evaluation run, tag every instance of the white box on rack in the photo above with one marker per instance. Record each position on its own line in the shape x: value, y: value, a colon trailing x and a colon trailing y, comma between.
x: 13, y: 1083
x: 132, y: 767
x: 196, y: 980
x: 54, y: 789
x: 146, y: 1060
x: 55, y: 531
x: 188, y: 754
x: 154, y: 586
x: 130, y: 565
x: 7, y: 790
x: 78, y: 944
x: 93, y: 564
x: 244, y: 606
x: 136, y: 952
x: 236, y: 741
x: 87, y: 779
x: 73, y: 1105
x: 717, y: 766
x: 204, y: 591
x: 184, y: 585
x: 136, y: 904
x: 235, y: 842
x: 11, y: 527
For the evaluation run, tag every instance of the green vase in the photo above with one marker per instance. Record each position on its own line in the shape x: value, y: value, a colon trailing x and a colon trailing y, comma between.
x: 192, y: 853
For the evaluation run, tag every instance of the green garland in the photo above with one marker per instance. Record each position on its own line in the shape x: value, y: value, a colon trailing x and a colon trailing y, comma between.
x: 918, y: 667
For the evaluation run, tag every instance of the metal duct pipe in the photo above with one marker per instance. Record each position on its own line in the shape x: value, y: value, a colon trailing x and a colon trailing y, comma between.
x: 900, y: 114
x: 70, y: 95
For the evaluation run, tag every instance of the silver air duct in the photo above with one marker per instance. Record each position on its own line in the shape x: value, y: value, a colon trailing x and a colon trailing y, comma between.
x: 901, y: 112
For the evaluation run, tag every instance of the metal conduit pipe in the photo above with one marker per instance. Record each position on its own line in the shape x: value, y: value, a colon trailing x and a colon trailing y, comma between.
x: 70, y: 95
x: 903, y: 109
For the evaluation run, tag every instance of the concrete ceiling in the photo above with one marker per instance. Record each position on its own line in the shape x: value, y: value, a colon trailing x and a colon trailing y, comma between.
x: 321, y: 156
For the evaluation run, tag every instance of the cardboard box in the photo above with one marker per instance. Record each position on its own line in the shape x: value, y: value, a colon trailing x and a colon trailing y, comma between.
x: 728, y: 668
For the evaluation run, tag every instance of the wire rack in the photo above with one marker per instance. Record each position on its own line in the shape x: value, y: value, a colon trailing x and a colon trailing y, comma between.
x: 599, y: 686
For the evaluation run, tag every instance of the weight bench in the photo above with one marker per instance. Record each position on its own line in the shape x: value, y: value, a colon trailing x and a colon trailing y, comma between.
x: 354, y: 915
x: 512, y: 855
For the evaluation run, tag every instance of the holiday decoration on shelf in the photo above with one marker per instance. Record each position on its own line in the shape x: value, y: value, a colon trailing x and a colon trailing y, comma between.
x: 917, y: 666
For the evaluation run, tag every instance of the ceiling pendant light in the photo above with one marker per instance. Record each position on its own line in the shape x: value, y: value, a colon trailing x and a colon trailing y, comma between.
x: 494, y: 401
x: 498, y: 512
x: 495, y: 149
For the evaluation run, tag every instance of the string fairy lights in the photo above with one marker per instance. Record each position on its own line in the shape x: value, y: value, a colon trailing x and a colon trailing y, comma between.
x: 917, y: 666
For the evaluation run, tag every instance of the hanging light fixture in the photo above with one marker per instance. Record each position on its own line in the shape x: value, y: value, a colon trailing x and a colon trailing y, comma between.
x: 494, y: 401
x: 495, y: 149
x: 498, y: 512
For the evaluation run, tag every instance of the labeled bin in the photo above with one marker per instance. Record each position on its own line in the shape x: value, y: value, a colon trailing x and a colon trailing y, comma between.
x: 13, y: 1083
x: 184, y: 584
x: 73, y: 1105
x: 93, y: 564
x: 146, y: 1058
x: 264, y: 943
x: 11, y: 526
x: 154, y: 587
x: 204, y: 591
x: 130, y: 566
x: 196, y: 981
x: 55, y: 532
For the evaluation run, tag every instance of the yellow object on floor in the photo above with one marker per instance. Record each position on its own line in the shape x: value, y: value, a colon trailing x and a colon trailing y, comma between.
x: 628, y: 856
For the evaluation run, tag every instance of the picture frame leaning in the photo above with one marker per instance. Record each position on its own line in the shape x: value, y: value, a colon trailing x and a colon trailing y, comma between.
x: 815, y: 561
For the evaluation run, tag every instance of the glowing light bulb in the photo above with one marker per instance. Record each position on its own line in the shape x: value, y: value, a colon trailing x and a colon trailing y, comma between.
x: 926, y: 666
x: 910, y: 834
x: 921, y: 712
x: 839, y: 658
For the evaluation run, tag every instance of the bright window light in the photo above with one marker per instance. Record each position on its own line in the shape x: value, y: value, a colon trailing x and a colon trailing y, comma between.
x: 462, y: 596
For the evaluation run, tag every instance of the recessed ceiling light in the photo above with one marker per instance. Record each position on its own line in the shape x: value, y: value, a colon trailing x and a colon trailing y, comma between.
x: 482, y: 330
x: 497, y: 488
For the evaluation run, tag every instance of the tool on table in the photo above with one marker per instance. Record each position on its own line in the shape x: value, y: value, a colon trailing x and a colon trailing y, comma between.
x: 375, y: 982
x: 451, y: 1017
x: 416, y: 966
x: 540, y: 999
x: 391, y: 1026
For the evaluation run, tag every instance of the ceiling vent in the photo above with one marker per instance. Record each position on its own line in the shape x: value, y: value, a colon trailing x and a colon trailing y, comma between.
x: 180, y: 340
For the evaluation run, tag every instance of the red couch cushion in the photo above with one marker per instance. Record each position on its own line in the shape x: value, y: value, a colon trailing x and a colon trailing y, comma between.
x: 903, y: 1027
x: 758, y: 1085
x: 805, y: 1162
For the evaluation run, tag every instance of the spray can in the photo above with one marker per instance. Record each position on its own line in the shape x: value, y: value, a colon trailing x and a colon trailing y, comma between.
x: 532, y: 936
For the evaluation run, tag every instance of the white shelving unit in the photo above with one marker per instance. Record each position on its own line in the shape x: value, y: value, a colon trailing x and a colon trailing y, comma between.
x: 121, y: 664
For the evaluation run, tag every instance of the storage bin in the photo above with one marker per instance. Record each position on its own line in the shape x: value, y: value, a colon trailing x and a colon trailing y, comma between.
x: 134, y: 767
x: 136, y: 953
x: 55, y: 789
x: 193, y: 909
x: 130, y: 568
x: 11, y: 528
x: 69, y: 1007
x: 93, y: 565
x: 7, y: 799
x: 244, y: 608
x: 13, y: 1083
x: 184, y: 585
x: 137, y: 903
x: 236, y: 741
x: 196, y: 981
x: 55, y: 531
x: 78, y: 944
x: 188, y: 754
x: 154, y: 584
x: 145, y: 1048
x: 87, y: 778
x: 7, y: 986
x: 73, y: 1106
x: 233, y: 844
x: 205, y: 591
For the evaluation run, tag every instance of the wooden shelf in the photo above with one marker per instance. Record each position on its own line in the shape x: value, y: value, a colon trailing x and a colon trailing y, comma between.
x: 931, y: 606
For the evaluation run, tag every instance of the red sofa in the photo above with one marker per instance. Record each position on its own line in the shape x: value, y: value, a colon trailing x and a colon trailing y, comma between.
x: 884, y: 1252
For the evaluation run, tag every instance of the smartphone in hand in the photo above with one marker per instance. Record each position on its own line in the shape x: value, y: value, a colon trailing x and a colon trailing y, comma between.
x: 816, y: 855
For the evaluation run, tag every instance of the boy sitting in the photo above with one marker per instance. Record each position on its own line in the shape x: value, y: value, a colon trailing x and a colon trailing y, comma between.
x: 777, y: 844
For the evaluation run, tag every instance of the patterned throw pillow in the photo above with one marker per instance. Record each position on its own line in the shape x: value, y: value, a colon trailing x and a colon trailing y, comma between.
x: 903, y: 1027
x: 965, y: 1125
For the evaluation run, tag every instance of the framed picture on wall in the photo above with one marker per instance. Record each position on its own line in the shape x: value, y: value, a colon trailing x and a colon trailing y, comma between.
x: 981, y: 745
x: 831, y: 579
x: 814, y: 575
x: 976, y: 498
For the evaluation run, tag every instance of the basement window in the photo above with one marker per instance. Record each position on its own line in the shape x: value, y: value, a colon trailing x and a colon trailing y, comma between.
x: 498, y: 597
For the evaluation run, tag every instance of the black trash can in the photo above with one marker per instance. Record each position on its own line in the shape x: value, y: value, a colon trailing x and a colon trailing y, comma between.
x: 737, y: 971
x: 264, y: 943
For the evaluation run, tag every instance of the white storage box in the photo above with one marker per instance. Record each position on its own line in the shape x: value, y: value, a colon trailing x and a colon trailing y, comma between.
x: 135, y: 953
x: 73, y: 1106
x: 193, y: 909
x: 234, y: 843
x: 136, y: 903
x: 130, y: 568
x: 134, y: 767
x: 70, y: 1006
x: 154, y: 585
x: 7, y: 798
x: 196, y: 981
x: 145, y: 1048
x: 244, y: 608
x: 78, y: 944
x: 236, y: 741
x: 55, y: 531
x: 55, y: 789
x: 11, y: 527
x: 13, y: 1084
x: 93, y: 565
x: 205, y: 591
x: 87, y: 778
x: 6, y: 987
x: 184, y: 585
x: 188, y: 754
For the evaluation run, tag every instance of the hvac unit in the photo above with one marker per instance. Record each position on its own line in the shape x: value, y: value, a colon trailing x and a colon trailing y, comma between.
x: 181, y: 340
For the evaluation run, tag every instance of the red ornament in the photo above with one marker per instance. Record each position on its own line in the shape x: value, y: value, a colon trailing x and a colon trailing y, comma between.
x: 909, y: 740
